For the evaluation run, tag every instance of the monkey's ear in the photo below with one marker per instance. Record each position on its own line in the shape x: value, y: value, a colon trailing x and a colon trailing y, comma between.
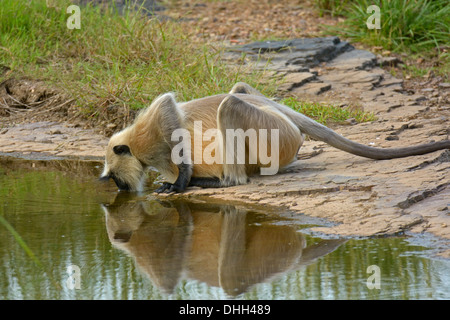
x: 121, y: 149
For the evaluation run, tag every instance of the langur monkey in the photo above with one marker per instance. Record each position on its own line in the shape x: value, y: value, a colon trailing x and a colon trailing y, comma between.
x: 148, y: 142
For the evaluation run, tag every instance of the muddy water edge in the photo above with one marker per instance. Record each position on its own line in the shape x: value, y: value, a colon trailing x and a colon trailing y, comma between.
x: 64, y: 235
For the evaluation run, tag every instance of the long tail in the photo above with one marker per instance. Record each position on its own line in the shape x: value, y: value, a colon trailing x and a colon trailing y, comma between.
x: 322, y: 133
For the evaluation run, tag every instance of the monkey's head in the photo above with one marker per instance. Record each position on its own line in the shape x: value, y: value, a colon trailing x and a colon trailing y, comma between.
x: 121, y: 164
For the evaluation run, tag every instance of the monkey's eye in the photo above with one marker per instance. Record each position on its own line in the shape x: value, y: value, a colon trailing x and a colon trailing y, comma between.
x: 122, y: 149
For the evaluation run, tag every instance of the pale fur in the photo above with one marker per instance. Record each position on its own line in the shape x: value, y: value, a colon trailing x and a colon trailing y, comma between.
x: 244, y: 107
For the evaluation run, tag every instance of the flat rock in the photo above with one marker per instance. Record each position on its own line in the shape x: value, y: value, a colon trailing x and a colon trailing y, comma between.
x: 306, y: 45
x: 353, y: 60
x: 306, y: 52
x: 313, y: 88
x: 352, y: 76
x: 296, y: 79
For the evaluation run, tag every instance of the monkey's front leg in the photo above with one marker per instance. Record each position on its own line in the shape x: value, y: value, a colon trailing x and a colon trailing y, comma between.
x: 184, y: 176
x: 170, y: 118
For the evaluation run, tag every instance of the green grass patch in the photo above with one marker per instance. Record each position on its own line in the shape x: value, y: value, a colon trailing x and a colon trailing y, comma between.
x: 114, y: 59
x: 415, y: 27
x: 405, y: 25
x: 331, y: 7
x: 327, y: 114
x: 408, y: 25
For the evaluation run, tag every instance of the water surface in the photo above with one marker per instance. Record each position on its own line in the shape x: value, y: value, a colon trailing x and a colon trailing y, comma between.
x: 63, y: 235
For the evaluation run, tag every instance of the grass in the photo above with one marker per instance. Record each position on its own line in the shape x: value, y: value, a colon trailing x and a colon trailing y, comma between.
x: 331, y: 7
x: 414, y: 25
x: 328, y: 114
x: 416, y: 28
x: 113, y: 60
x: 117, y: 60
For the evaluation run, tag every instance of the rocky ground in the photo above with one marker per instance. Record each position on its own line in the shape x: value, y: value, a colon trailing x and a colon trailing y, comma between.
x: 363, y: 197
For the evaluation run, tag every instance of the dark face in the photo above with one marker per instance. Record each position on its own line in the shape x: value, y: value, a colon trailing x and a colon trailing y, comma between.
x: 122, y: 185
x: 123, y: 168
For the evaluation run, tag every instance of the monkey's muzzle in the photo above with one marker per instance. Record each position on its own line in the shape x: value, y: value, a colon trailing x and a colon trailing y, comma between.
x: 123, y: 186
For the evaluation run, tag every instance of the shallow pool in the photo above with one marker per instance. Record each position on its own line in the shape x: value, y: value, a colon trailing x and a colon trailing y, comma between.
x: 63, y: 235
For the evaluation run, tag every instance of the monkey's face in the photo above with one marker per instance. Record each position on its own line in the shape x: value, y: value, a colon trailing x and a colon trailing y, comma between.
x: 122, y: 166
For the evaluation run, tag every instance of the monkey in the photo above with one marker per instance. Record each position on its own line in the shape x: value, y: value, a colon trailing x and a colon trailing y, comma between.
x: 149, y: 142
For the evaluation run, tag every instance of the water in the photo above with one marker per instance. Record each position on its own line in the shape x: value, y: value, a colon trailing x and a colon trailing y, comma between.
x: 63, y: 235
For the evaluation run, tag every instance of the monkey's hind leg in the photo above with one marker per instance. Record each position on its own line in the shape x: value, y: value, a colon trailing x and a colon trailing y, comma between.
x: 170, y: 118
x: 242, y: 87
x: 239, y: 119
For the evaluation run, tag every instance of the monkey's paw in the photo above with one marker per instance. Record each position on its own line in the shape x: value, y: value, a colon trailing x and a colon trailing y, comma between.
x: 169, y: 188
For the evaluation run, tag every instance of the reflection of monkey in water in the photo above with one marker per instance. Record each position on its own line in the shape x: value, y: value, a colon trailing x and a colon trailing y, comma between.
x: 155, y: 235
x: 148, y: 142
x: 215, y: 244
